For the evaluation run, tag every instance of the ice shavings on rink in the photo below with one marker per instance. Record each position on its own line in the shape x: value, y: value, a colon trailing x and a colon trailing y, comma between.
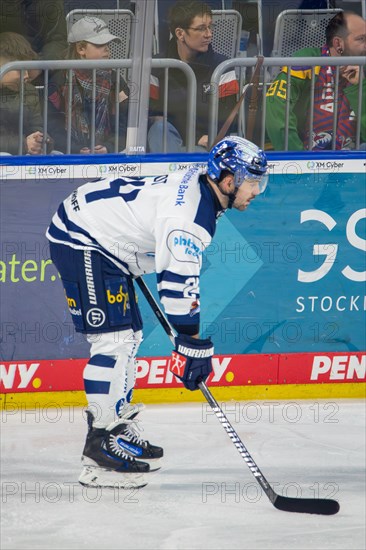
x: 204, y: 497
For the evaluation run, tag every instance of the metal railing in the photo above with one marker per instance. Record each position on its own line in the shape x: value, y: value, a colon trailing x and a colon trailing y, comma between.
x: 191, y: 98
x: 46, y: 67
x: 269, y: 62
x: 134, y: 143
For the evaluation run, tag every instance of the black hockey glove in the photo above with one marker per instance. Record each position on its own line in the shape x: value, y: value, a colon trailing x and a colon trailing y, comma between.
x: 191, y: 361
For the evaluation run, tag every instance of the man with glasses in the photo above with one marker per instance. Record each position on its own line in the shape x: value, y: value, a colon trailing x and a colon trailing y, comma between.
x: 191, y: 27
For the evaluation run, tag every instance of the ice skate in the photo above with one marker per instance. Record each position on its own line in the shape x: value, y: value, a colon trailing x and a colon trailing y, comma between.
x: 125, y: 436
x: 106, y: 464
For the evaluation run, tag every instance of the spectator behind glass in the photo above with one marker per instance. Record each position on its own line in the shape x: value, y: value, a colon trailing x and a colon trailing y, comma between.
x: 163, y: 7
x: 89, y: 38
x: 14, y: 47
x: 191, y: 26
x: 41, y: 22
x: 345, y: 36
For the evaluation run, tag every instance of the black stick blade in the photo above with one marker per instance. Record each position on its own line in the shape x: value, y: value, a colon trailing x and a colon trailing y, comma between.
x: 322, y: 506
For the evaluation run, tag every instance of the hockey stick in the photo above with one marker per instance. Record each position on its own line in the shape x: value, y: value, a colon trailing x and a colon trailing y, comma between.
x: 321, y: 506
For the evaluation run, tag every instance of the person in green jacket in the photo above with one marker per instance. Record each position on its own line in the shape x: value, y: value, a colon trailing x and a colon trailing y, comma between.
x: 345, y: 36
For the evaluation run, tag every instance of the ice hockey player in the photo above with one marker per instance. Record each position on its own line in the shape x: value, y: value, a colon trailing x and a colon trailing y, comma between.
x: 104, y: 235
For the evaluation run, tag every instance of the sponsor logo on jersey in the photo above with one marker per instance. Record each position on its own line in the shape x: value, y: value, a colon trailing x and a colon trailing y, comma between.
x: 182, y: 189
x: 180, y: 195
x: 184, y: 246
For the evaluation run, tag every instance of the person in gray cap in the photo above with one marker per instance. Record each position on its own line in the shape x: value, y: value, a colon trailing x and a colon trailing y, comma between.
x: 92, y: 30
x: 89, y: 39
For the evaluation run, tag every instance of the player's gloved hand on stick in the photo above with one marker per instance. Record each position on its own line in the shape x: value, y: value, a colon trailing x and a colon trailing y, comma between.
x: 191, y: 360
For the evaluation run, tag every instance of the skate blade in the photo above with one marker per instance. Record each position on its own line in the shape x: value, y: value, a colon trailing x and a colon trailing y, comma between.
x: 92, y: 476
x: 154, y: 463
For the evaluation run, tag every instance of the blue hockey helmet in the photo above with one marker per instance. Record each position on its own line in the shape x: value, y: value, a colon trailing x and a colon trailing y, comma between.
x: 240, y: 157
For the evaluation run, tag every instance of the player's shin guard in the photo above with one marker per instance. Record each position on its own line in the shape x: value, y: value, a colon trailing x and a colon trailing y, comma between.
x: 109, y: 376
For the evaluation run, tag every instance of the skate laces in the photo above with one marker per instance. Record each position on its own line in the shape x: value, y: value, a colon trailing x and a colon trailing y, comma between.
x: 131, y: 431
x: 117, y: 449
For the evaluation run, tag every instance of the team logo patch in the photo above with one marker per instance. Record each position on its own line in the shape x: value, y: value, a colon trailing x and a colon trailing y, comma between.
x: 322, y: 140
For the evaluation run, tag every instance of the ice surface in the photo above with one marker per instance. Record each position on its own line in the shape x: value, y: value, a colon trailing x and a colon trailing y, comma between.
x: 204, y: 497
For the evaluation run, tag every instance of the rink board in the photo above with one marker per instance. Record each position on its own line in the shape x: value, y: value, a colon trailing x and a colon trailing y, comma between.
x: 240, y: 377
x: 283, y: 285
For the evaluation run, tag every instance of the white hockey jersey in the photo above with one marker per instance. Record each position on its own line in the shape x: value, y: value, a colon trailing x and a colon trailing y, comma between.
x: 143, y: 225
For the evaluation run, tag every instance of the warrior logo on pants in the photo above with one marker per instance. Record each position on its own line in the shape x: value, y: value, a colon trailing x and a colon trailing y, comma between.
x: 90, y: 278
x: 95, y: 317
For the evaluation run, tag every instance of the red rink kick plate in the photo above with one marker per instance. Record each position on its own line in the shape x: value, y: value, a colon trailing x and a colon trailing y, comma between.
x: 235, y: 370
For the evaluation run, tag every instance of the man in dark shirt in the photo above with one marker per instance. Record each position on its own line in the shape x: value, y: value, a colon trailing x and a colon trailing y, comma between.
x: 191, y: 28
